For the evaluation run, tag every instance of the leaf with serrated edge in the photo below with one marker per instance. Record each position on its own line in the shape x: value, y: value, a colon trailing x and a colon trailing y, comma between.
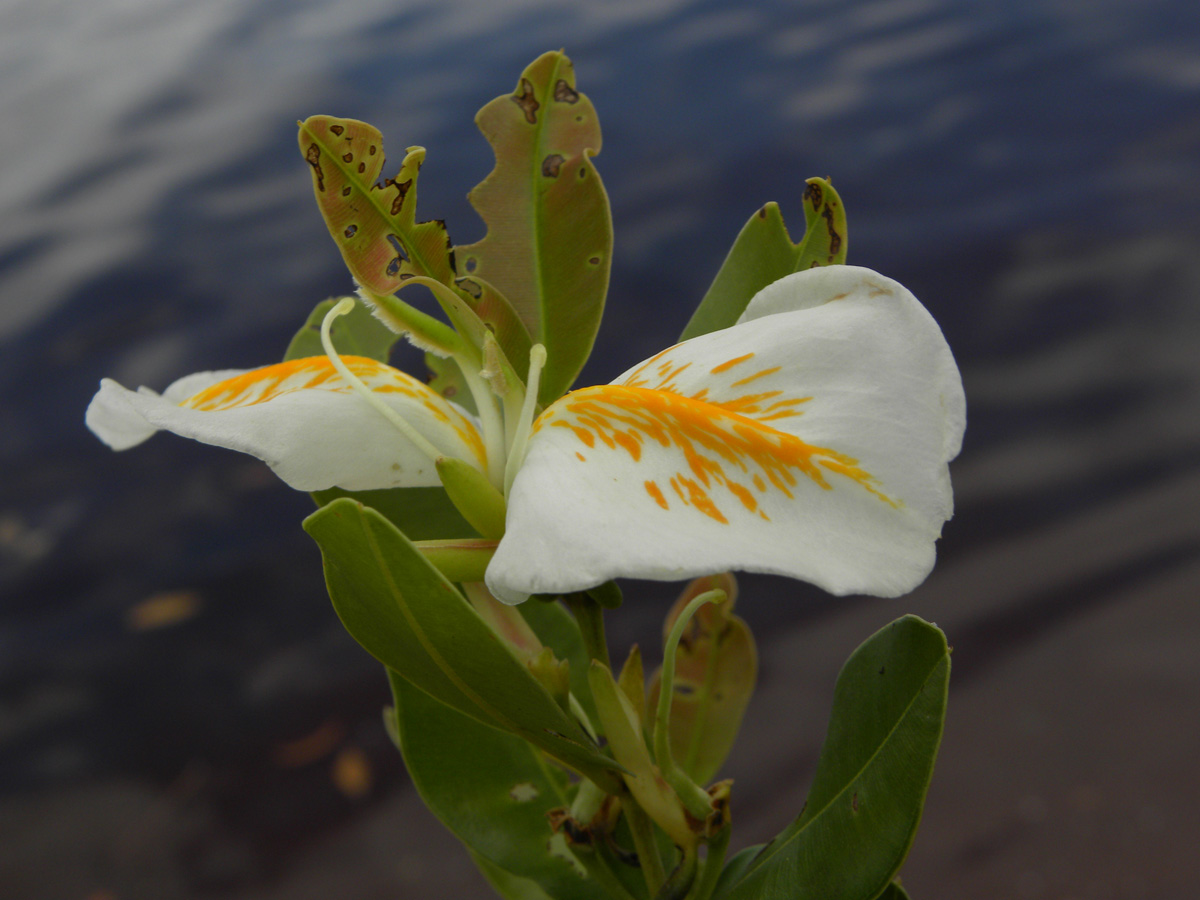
x: 372, y: 222
x: 410, y: 618
x: 869, y: 788
x: 548, y: 247
x: 764, y: 253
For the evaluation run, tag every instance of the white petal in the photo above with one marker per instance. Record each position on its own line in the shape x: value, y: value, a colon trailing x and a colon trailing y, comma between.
x: 301, y: 418
x: 810, y: 440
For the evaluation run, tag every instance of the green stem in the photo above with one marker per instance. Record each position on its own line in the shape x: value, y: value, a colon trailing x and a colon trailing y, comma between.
x: 710, y: 869
x: 590, y: 617
x: 695, y: 799
x: 644, y: 844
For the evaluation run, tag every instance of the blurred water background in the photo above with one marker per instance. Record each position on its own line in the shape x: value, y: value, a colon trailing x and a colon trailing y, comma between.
x: 181, y: 714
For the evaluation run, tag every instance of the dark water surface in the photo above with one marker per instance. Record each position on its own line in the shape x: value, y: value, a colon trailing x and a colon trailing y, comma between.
x: 181, y: 714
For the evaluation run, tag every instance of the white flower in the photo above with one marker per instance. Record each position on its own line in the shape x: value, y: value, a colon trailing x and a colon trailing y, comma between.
x: 811, y: 439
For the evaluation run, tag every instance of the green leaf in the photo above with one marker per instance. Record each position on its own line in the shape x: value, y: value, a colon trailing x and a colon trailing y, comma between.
x: 357, y: 333
x: 422, y: 513
x: 548, y: 247
x: 764, y: 252
x: 374, y: 224
x: 715, y: 669
x: 557, y: 629
x: 736, y: 867
x: 410, y: 618
x: 867, y: 793
x: 506, y: 884
x: 893, y: 892
x: 493, y: 791
x: 447, y: 379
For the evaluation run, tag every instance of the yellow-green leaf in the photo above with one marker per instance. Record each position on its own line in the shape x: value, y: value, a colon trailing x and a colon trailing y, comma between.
x: 372, y: 222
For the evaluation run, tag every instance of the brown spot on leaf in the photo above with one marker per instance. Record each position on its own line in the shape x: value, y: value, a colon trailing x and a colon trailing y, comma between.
x: 762, y: 213
x: 595, y: 261
x: 313, y: 157
x: 854, y: 801
x: 814, y: 195
x: 347, y: 157
x: 371, y: 150
x: 564, y: 93
x: 362, y: 167
x: 527, y: 101
x: 401, y: 191
x: 471, y: 287
x: 338, y: 130
x: 551, y: 164
x: 346, y: 191
x: 835, y: 239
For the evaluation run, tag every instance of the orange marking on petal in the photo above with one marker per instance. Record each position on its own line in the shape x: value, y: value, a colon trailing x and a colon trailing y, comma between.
x: 730, y: 363
x: 653, y: 490
x: 742, y: 494
x: 632, y: 447
x: 700, y: 499
x: 582, y: 433
x: 747, y: 403
x: 781, y: 404
x: 582, y: 458
x: 714, y: 439
x: 750, y: 378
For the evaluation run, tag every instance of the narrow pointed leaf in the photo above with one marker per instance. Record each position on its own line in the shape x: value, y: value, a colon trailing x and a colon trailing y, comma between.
x: 410, y: 618
x: 764, y: 252
x: 372, y: 222
x: 869, y: 788
x: 549, y: 242
x: 357, y: 333
x: 492, y: 790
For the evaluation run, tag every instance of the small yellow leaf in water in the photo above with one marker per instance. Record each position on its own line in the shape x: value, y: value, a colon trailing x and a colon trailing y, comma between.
x: 162, y: 609
x: 352, y: 773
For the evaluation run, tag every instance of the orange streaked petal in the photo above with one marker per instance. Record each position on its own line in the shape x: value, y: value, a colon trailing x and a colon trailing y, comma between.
x: 810, y: 440
x: 302, y: 419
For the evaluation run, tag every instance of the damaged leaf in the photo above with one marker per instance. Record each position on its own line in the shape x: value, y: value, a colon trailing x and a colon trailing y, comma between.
x: 548, y: 247
x: 764, y: 252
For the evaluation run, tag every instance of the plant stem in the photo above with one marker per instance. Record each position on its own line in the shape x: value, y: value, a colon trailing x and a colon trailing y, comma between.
x: 710, y: 869
x: 642, y: 830
x: 590, y: 617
